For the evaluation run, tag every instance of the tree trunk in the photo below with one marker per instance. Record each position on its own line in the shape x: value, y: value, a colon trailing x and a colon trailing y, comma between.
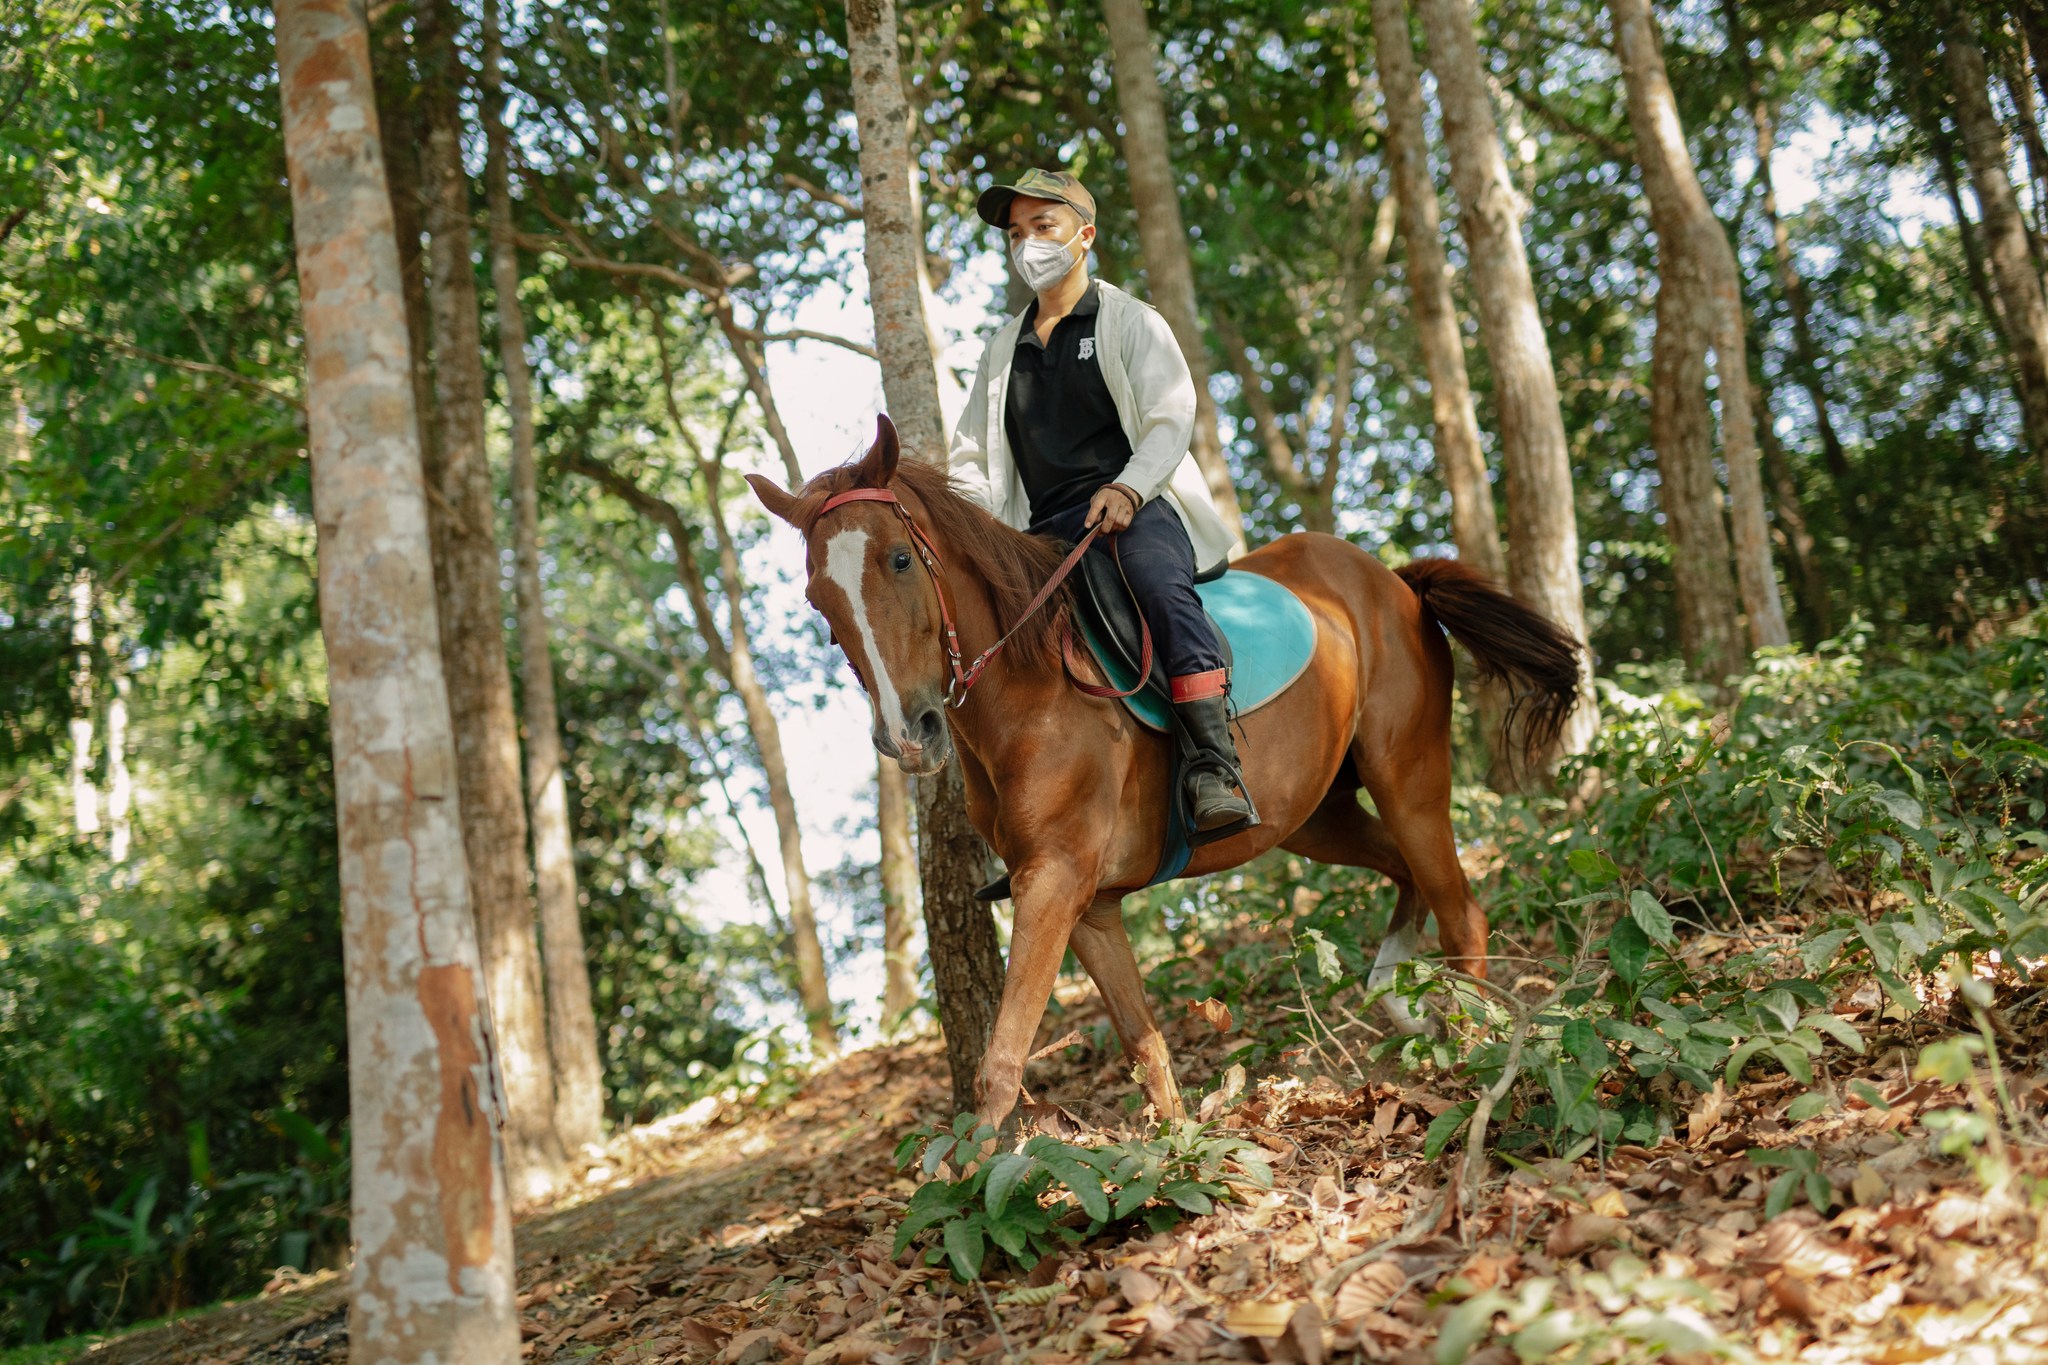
x: 900, y: 896
x: 1169, y: 270
x: 1798, y: 305
x: 1543, y: 534
x: 120, y: 786
x: 462, y: 516
x: 2019, y: 287
x: 433, y: 1265
x: 733, y: 659
x: 960, y: 936
x: 1814, y: 596
x: 85, y: 797
x: 1697, y: 271
x: 572, y: 1025
x: 1458, y: 452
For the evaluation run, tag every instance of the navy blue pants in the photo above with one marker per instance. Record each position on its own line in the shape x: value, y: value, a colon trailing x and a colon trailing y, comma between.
x: 1159, y: 564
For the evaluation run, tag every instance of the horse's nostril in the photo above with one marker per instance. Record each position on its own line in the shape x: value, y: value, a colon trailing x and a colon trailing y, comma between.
x: 929, y: 724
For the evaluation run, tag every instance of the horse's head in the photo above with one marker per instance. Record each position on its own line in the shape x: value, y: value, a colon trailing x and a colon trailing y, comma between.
x: 865, y: 577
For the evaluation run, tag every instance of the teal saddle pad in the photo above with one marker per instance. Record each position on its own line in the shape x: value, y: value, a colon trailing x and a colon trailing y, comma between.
x: 1271, y: 635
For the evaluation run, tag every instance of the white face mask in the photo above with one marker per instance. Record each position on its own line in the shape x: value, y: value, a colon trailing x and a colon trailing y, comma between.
x: 1043, y: 263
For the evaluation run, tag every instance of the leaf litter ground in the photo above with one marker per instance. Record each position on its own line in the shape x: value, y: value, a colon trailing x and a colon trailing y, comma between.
x: 755, y: 1238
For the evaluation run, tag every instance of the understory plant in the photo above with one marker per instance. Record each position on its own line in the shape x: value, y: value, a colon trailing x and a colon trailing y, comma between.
x: 1036, y: 1198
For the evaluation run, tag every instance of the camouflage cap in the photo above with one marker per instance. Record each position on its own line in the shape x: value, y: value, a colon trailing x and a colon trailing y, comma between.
x: 994, y: 204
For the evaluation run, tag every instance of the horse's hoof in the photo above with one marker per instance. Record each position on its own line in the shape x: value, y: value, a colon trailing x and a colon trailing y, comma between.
x: 997, y: 890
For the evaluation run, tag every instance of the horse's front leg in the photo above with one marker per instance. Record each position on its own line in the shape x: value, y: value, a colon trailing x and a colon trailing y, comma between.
x: 1105, y: 951
x: 1050, y: 892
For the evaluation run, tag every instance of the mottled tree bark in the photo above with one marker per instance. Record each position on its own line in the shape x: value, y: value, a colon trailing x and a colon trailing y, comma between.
x: 572, y: 1025
x: 1697, y: 269
x: 1543, y: 534
x: 462, y: 515
x: 432, y: 1277
x: 967, y: 961
x: 1169, y: 268
x: 900, y: 894
x: 2019, y: 286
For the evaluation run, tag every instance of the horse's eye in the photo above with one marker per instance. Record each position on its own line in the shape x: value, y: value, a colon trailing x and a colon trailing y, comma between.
x: 900, y: 561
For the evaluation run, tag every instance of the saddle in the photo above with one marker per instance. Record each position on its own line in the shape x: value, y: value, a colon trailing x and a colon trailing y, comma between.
x: 1110, y: 623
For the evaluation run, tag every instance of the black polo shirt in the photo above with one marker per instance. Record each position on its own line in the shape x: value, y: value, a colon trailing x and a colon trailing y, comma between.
x: 1059, y: 419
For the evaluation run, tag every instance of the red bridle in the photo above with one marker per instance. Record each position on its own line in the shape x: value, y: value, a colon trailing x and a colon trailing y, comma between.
x: 964, y: 676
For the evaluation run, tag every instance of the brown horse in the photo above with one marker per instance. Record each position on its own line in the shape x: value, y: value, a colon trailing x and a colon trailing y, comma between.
x: 1072, y: 792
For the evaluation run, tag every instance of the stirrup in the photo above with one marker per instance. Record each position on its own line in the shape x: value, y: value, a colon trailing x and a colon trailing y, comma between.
x: 1233, y: 778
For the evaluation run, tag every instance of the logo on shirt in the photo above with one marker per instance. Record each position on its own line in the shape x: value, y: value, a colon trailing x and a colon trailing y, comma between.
x: 1087, y: 351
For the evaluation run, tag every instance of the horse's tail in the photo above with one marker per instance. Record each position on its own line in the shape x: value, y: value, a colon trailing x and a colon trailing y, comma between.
x: 1507, y: 640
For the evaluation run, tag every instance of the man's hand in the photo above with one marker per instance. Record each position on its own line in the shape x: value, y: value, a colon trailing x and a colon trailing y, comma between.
x: 1112, y: 506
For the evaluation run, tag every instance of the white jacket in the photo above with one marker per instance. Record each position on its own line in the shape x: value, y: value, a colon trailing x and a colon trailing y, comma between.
x: 1154, y: 394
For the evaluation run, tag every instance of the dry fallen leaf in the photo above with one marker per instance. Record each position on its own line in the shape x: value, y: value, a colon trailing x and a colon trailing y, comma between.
x: 1137, y: 1287
x: 1608, y: 1204
x: 1261, y: 1319
x: 1369, y: 1291
x: 1706, y: 1115
x: 1216, y: 1012
x: 1580, y: 1231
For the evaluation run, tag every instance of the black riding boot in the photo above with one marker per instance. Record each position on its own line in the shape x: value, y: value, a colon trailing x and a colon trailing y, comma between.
x: 1214, y: 781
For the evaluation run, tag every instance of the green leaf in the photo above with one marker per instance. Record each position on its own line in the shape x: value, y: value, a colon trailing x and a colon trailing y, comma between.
x: 1193, y: 1200
x: 1328, y: 965
x: 1836, y: 1027
x: 1628, y: 949
x: 1594, y: 865
x: 1652, y: 918
x: 1085, y: 1183
x: 1583, y: 1042
x: 1470, y: 1323
x: 1742, y: 1057
x: 1806, y: 1106
x: 1005, y: 1173
x: 1444, y: 1127
x: 936, y: 1153
x: 1794, y: 1059
x: 1780, y: 1197
x: 965, y: 1246
x: 1818, y: 952
x: 1132, y: 1197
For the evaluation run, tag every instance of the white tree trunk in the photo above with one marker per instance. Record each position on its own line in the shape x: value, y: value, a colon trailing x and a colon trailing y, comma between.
x: 901, y: 898
x: 1543, y: 534
x: 432, y: 1278
x: 466, y: 566
x: 1169, y: 269
x: 120, y: 785
x: 85, y: 797
x: 572, y: 1025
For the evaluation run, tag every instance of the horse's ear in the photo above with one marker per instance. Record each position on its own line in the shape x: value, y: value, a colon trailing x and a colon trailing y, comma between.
x: 772, y: 496
x: 878, y: 466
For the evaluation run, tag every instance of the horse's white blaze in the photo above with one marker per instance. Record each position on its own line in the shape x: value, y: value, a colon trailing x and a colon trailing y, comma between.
x: 1398, y: 947
x: 846, y: 562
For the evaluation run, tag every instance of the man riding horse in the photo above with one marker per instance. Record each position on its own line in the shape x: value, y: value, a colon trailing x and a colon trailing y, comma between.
x: 1080, y: 416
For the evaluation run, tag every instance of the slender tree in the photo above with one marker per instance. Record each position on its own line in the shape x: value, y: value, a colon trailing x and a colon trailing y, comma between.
x: 572, y: 1027
x: 1699, y: 307
x: 1169, y: 269
x: 1543, y: 534
x: 432, y: 1277
x: 1458, y: 453
x: 462, y: 516
x: 85, y: 795
x: 900, y: 893
x: 730, y: 653
x: 960, y: 935
x: 2020, y: 295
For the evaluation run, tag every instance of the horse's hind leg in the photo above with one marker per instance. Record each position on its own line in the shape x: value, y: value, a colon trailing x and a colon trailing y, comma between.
x: 1344, y: 833
x: 1105, y: 952
x: 1411, y: 785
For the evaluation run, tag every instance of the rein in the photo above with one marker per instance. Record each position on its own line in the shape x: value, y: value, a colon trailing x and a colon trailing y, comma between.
x: 965, y: 675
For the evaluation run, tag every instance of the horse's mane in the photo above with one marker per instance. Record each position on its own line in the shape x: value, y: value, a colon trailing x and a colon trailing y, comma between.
x: 1011, y: 564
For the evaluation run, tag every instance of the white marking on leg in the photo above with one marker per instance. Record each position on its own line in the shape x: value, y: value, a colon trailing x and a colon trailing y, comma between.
x: 846, y: 562
x: 1400, y: 946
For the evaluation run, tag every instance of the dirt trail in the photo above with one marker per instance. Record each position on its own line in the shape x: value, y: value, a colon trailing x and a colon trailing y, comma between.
x: 764, y: 1238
